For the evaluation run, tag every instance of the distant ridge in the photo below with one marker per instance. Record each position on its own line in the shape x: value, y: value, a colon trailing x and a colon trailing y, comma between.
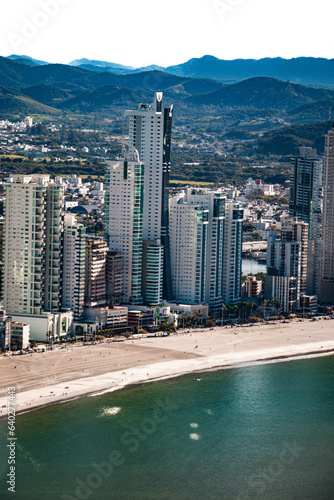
x: 95, y: 65
x: 29, y: 61
x: 304, y: 70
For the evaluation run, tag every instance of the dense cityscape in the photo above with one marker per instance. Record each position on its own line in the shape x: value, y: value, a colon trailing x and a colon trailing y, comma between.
x: 134, y: 255
x: 166, y: 250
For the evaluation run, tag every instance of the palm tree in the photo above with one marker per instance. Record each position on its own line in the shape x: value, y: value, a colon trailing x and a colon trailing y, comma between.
x: 276, y: 304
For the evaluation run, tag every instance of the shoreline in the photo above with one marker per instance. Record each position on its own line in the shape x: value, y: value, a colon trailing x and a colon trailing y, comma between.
x: 234, y: 348
x: 241, y: 364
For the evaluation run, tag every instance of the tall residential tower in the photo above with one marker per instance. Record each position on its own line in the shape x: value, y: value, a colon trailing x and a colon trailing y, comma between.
x: 150, y: 133
x: 32, y: 244
x: 327, y: 276
x: 124, y: 219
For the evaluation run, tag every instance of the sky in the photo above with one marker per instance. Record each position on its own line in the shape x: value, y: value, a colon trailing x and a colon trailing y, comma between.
x: 144, y: 32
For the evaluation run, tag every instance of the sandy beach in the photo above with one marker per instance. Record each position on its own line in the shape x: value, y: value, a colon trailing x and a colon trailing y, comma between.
x: 51, y: 377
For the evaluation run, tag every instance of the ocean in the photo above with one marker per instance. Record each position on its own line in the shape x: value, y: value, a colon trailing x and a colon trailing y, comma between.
x: 256, y: 432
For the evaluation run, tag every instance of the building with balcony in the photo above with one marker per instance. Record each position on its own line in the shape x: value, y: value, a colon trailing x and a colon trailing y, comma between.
x: 95, y: 272
x: 32, y: 244
x: 114, y: 278
x: 252, y: 287
x: 188, y: 237
x: 124, y: 198
x: 150, y: 129
x: 327, y: 269
x: 73, y: 293
x: 287, y: 255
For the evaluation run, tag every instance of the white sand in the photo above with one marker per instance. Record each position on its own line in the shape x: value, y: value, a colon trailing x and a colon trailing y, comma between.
x: 59, y: 375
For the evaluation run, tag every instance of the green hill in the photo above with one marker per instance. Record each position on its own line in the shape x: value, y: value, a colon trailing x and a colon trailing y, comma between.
x: 287, y: 140
x: 316, y: 111
x: 262, y: 93
x: 14, y: 105
x: 109, y: 98
x: 46, y: 94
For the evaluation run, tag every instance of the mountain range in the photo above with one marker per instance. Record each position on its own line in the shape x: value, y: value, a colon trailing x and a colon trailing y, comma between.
x: 198, y: 89
x: 304, y: 70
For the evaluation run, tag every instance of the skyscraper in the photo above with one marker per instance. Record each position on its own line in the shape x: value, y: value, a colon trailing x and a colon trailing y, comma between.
x: 287, y: 257
x: 32, y: 244
x: 73, y: 290
x: 234, y: 215
x: 327, y: 273
x: 306, y: 190
x: 215, y: 203
x: 206, y: 248
x: 124, y: 219
x: 95, y: 263
x: 188, y: 234
x: 306, y: 205
x: 150, y: 133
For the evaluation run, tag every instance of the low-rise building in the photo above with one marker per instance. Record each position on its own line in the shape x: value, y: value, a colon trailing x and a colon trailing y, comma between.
x: 284, y: 289
x: 47, y: 326
x: 252, y: 287
x: 107, y: 317
x: 20, y: 336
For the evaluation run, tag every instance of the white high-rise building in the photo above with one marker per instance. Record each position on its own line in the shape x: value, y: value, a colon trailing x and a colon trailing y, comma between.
x: 215, y: 204
x: 188, y: 236
x: 32, y: 244
x: 327, y: 272
x: 124, y: 219
x: 206, y: 248
x: 73, y: 290
x: 150, y: 133
x: 232, y: 258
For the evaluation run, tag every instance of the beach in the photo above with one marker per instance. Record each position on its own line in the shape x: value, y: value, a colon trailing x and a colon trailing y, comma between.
x: 59, y: 375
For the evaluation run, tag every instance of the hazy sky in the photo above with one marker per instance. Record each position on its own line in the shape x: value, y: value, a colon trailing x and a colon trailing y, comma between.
x: 143, y: 32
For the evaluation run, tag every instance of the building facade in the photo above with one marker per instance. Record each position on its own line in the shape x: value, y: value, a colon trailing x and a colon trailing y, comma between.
x: 232, y: 258
x: 287, y: 256
x: 95, y: 272
x: 188, y: 236
x: 327, y: 271
x: 73, y: 294
x: 152, y: 277
x: 220, y: 273
x: 215, y: 203
x: 32, y: 244
x: 284, y: 289
x: 150, y: 130
x: 114, y: 278
x: 124, y: 198
x: 306, y: 205
x: 306, y: 190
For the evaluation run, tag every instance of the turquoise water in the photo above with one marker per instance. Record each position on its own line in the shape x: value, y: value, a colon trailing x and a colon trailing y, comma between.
x: 258, y: 432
